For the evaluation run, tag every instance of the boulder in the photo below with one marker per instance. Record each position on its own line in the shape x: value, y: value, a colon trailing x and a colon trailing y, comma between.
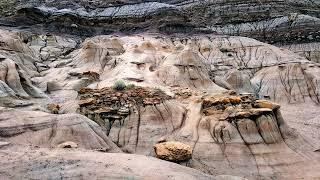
x: 173, y: 151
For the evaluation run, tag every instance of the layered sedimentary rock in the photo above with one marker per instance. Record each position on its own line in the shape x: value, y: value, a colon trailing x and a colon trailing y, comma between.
x: 308, y: 50
x: 46, y: 130
x: 217, y: 128
x: 290, y: 24
x: 108, y: 106
x: 145, y: 89
x: 210, y: 63
x: 273, y: 21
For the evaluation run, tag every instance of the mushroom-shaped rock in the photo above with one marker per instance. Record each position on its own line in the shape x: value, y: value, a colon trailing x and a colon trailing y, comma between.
x: 173, y: 151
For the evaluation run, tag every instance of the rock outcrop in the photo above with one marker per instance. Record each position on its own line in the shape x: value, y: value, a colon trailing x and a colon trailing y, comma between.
x: 224, y: 124
x: 272, y: 21
x: 207, y: 63
x: 108, y: 106
x: 46, y: 130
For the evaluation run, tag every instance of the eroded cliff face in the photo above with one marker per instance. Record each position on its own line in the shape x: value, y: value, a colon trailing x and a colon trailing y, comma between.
x: 222, y: 105
x: 291, y: 24
x: 227, y: 133
x: 283, y: 22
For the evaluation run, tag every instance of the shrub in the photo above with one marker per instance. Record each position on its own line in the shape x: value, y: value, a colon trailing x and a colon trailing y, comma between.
x: 7, y: 7
x: 130, y: 86
x: 119, y: 86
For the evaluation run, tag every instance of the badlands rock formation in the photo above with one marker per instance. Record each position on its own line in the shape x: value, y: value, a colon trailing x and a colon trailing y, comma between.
x: 114, y: 89
x: 46, y: 130
x: 291, y: 23
x: 274, y: 21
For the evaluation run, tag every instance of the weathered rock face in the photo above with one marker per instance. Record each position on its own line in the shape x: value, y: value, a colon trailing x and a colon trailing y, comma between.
x: 272, y: 21
x: 297, y: 82
x: 47, y: 130
x: 308, y: 50
x: 16, y: 66
x: 198, y: 62
x: 109, y: 106
x: 219, y: 126
x: 15, y: 81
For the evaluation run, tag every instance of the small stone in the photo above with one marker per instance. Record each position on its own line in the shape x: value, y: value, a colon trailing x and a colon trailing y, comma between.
x: 54, y: 108
x: 162, y: 140
x: 125, y: 96
x: 68, y: 144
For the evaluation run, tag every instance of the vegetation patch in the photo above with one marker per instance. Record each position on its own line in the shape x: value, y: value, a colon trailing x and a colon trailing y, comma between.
x: 7, y: 7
